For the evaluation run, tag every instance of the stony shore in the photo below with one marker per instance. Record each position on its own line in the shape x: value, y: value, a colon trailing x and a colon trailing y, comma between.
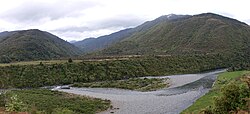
x: 155, y: 102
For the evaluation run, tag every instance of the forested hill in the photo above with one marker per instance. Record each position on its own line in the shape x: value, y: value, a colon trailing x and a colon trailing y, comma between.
x: 33, y: 45
x: 94, y: 44
x: 206, y: 33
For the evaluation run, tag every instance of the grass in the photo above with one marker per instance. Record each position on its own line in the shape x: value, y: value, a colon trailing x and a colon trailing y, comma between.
x: 139, y: 84
x: 37, y: 62
x: 47, y: 102
x: 207, y: 100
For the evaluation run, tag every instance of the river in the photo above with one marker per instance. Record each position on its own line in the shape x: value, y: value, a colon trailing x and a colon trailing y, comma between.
x: 184, y: 90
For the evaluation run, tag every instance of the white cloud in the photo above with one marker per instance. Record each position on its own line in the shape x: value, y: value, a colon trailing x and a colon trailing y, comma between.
x: 78, y: 19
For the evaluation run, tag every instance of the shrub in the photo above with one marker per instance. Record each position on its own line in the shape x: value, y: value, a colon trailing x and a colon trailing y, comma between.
x: 62, y: 111
x: 42, y: 101
x: 232, y: 98
x: 14, y: 104
x: 70, y: 60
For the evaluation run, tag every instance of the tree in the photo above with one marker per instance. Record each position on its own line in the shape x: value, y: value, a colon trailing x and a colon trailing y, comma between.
x: 5, y: 59
x: 70, y: 60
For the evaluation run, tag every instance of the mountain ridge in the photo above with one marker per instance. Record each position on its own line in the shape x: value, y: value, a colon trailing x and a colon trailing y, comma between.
x: 99, y: 43
x: 34, y: 44
x: 197, y: 34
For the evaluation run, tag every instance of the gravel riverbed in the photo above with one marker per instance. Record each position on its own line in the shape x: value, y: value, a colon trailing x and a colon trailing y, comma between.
x: 184, y: 90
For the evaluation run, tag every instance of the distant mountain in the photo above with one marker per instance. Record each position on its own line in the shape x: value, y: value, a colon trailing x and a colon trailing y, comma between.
x: 206, y: 33
x: 94, y: 44
x: 34, y: 45
x: 72, y: 41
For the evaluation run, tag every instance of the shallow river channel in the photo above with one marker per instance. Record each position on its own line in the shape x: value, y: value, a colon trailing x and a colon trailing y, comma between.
x: 184, y: 90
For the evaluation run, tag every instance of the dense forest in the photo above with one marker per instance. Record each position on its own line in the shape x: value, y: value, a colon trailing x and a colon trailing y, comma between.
x: 241, y: 60
x: 27, y: 76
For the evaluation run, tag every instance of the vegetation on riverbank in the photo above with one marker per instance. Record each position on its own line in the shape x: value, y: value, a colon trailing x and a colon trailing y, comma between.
x: 28, y: 76
x: 227, y: 94
x: 44, y: 62
x: 139, y: 84
x: 41, y: 101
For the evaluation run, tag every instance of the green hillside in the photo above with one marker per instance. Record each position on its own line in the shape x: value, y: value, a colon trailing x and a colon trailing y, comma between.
x: 199, y: 34
x: 33, y: 45
x: 94, y: 44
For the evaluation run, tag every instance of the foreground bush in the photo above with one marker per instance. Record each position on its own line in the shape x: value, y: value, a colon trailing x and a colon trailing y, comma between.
x: 51, y: 102
x: 223, y: 95
x: 233, y: 98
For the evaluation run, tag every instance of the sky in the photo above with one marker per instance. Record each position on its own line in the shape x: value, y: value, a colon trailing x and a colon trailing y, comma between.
x: 80, y: 19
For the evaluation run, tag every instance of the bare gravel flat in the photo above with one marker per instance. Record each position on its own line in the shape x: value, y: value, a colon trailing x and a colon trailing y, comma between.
x: 156, y: 102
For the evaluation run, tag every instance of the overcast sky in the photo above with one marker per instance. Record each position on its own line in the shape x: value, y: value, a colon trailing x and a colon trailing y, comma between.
x: 79, y: 19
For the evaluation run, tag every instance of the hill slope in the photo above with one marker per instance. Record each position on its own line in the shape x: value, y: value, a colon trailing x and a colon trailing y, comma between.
x: 93, y: 44
x: 34, y: 45
x: 198, y: 34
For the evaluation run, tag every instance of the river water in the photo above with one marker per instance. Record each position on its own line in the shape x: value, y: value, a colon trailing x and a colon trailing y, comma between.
x: 184, y: 90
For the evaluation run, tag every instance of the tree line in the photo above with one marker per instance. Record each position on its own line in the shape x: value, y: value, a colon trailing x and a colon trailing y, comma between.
x: 30, y: 76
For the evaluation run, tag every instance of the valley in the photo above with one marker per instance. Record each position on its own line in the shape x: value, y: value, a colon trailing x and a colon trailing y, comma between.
x: 172, y: 64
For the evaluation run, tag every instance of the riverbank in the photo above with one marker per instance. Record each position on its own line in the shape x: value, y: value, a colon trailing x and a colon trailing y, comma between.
x: 182, y: 93
x: 64, y: 73
x: 207, y: 100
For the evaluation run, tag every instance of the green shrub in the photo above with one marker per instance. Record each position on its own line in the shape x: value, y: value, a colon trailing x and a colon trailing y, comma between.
x: 232, y: 98
x: 70, y: 60
x: 41, y: 101
x: 62, y: 111
x: 2, y: 100
x: 14, y: 104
